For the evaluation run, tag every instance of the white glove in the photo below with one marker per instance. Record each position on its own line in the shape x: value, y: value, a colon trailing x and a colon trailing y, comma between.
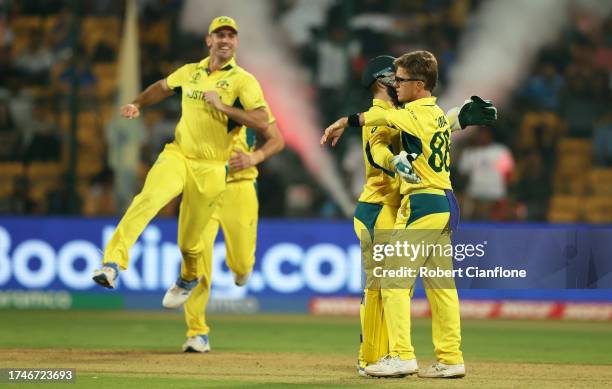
x: 403, y: 167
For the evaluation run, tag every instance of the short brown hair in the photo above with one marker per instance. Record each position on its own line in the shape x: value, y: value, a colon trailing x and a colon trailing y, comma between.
x: 420, y: 64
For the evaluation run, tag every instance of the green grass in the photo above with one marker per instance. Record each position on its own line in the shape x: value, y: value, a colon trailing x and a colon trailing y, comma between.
x: 540, y: 342
x: 486, y: 340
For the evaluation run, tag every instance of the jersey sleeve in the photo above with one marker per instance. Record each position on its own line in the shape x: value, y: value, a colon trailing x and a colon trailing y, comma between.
x: 250, y: 94
x: 179, y: 77
x: 401, y: 119
x: 453, y: 119
x: 379, y: 147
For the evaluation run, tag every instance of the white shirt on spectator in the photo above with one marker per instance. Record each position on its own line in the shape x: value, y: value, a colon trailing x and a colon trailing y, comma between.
x: 487, y: 168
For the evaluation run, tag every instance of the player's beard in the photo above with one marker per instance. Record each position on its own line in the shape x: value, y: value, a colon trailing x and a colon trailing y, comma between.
x: 393, y: 94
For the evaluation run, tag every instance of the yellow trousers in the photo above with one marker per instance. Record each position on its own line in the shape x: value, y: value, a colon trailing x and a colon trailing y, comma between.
x: 201, y: 183
x: 426, y: 211
x: 237, y: 215
x: 372, y: 312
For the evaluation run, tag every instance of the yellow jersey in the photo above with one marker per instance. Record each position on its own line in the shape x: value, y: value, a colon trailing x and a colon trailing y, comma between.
x: 425, y: 133
x: 246, y: 140
x: 380, y: 143
x: 203, y: 132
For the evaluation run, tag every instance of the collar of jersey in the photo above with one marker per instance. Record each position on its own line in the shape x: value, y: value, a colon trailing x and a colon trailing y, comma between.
x: 381, y: 103
x: 422, y: 102
x: 227, y: 66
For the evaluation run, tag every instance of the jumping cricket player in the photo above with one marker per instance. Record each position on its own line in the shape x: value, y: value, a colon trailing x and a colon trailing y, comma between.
x: 425, y: 131
x: 218, y: 98
x: 237, y: 214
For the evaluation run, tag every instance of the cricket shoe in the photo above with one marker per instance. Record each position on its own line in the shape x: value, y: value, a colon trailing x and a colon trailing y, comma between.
x: 107, y: 276
x: 389, y: 366
x: 178, y: 293
x: 441, y: 370
x: 197, y: 344
x: 361, y: 369
x: 241, y: 280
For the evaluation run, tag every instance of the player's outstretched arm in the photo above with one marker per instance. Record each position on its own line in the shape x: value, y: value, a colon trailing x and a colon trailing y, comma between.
x: 335, y: 131
x: 474, y: 112
x: 154, y: 93
x: 376, y: 116
x: 256, y: 119
x: 273, y: 144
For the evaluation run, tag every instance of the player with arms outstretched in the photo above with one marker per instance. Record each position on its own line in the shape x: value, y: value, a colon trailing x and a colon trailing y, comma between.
x: 218, y: 98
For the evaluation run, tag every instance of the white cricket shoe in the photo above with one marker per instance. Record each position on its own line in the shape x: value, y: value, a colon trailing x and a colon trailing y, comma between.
x: 241, y: 280
x: 178, y: 293
x: 361, y: 368
x: 107, y: 276
x: 441, y: 370
x: 197, y: 344
x: 389, y: 366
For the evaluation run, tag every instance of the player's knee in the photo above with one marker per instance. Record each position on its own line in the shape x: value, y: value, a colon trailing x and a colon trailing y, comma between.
x: 146, y: 200
x: 190, y: 251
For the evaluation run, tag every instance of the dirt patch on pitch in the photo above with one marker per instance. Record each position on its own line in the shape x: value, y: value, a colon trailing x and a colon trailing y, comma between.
x: 301, y: 368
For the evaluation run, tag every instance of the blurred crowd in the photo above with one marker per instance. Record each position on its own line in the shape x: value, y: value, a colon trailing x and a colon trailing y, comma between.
x: 548, y: 158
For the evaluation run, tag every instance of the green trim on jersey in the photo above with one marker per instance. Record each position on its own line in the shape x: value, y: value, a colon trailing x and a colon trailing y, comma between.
x: 367, y: 213
x: 368, y: 152
x: 230, y: 123
x: 251, y: 139
x: 412, y: 144
x: 423, y: 204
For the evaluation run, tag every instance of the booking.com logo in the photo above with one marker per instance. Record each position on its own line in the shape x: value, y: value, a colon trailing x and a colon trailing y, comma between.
x: 284, y: 267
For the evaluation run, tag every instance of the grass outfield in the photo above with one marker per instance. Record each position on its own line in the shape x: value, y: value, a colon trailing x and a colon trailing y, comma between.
x: 142, y: 349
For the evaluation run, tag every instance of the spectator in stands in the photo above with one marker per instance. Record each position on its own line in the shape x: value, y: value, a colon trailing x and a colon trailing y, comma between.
x: 334, y: 54
x: 352, y: 164
x: 101, y: 199
x: 35, y: 61
x: 577, y: 106
x: 603, y: 52
x: 543, y: 87
x: 9, y: 133
x: 488, y: 166
x: 602, y: 141
x: 103, y: 52
x: 86, y: 78
x: 21, y: 201
x: 59, y: 34
x: 162, y: 132
x: 43, y: 143
x: 533, y: 188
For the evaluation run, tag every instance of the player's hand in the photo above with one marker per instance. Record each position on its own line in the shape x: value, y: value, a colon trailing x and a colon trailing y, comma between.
x: 335, y: 131
x: 477, y: 112
x: 403, y: 167
x: 129, y: 111
x: 212, y: 98
x: 241, y: 160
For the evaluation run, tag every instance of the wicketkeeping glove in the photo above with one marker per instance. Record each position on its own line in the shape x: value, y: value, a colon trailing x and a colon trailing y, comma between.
x: 403, y: 167
x: 477, y: 112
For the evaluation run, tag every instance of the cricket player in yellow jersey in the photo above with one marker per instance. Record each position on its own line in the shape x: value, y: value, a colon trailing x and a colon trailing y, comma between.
x: 237, y: 214
x: 218, y: 98
x: 378, y: 203
x: 430, y: 205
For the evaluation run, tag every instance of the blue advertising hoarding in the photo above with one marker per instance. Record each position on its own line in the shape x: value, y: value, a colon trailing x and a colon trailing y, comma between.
x: 296, y: 260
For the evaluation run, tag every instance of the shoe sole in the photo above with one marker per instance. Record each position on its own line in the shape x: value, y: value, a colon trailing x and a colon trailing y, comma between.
x: 101, y: 280
x: 193, y: 350
x: 396, y: 375
x: 454, y: 376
